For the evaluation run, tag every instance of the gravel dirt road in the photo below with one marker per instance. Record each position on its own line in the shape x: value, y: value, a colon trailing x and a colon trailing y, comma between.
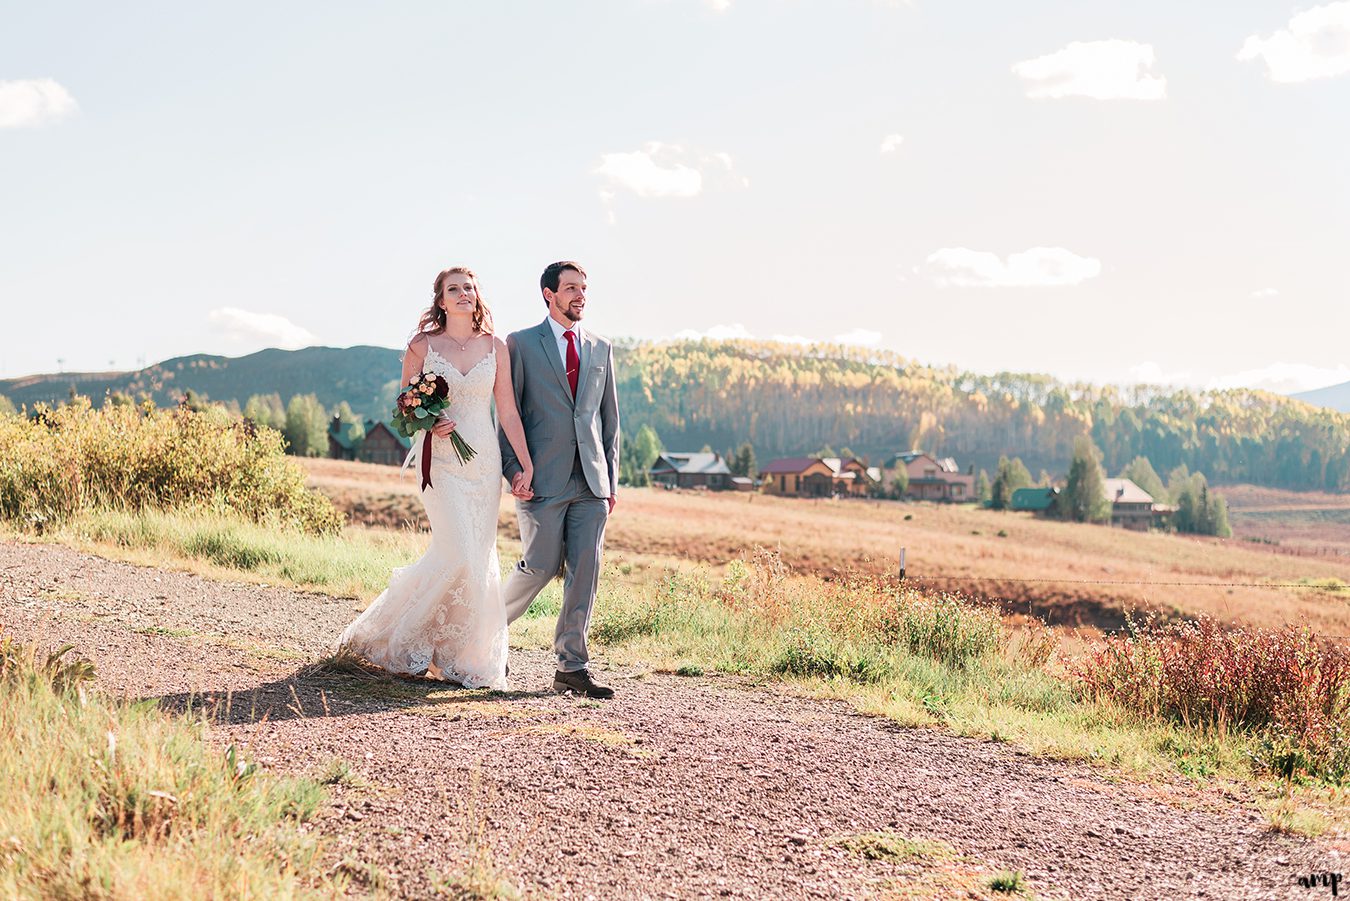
x: 678, y: 788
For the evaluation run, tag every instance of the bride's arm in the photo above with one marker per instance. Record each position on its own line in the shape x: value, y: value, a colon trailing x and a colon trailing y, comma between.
x: 508, y: 414
x: 412, y: 359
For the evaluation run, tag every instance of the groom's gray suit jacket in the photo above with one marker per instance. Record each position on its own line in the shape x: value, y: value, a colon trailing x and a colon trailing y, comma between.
x: 558, y: 429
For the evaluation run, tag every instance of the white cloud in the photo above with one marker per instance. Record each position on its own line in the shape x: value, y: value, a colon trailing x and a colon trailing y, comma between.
x: 1033, y: 268
x: 641, y: 173
x: 662, y: 170
x: 34, y: 101
x: 1265, y: 294
x: 1315, y: 44
x: 1102, y: 70
x: 1284, y: 378
x: 863, y: 337
x: 718, y: 6
x: 732, y: 332
x: 735, y: 331
x: 891, y: 143
x: 266, y: 328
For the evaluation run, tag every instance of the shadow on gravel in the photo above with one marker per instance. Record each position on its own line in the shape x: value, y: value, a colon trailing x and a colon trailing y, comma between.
x: 332, y: 688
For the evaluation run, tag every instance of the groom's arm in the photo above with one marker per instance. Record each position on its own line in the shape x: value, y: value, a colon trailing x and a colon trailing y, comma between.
x: 511, y: 465
x: 609, y: 427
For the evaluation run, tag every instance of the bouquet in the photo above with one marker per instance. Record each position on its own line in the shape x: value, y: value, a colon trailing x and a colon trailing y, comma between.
x: 418, y: 408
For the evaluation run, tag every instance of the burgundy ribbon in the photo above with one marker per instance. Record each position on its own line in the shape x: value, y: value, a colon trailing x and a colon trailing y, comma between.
x: 426, y: 461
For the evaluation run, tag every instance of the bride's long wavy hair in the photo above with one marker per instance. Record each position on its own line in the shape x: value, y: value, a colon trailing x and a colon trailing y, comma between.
x: 433, y: 320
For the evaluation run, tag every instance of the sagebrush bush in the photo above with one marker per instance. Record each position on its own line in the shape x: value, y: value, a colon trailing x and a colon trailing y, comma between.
x: 1288, y: 687
x: 77, y: 458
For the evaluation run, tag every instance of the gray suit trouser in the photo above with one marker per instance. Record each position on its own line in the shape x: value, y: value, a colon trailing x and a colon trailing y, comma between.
x: 569, y: 525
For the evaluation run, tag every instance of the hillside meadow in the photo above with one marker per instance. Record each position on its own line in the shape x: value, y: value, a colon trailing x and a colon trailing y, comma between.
x: 1071, y: 575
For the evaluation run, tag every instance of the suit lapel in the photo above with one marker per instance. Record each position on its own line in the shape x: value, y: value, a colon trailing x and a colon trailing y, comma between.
x: 550, y: 345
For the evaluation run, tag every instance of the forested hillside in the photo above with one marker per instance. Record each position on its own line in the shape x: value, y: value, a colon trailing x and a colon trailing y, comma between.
x: 366, y: 377
x: 789, y: 399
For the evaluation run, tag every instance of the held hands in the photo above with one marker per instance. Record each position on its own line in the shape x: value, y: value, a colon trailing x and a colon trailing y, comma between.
x: 443, y: 428
x: 520, y: 484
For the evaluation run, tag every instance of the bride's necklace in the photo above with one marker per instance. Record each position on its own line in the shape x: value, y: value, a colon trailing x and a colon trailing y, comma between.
x: 462, y: 346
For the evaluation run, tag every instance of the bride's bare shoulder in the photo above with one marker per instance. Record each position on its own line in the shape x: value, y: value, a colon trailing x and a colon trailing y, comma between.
x: 417, y: 347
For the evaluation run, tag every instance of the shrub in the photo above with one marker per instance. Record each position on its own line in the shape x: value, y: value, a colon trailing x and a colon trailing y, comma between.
x: 815, y: 652
x: 1287, y: 687
x: 945, y: 627
x: 76, y: 459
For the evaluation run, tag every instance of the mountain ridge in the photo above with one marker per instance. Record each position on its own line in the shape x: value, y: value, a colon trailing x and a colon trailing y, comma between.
x: 791, y: 399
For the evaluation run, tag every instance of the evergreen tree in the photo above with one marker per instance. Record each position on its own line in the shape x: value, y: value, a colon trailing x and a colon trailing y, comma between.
x: 1199, y: 511
x: 825, y: 451
x: 1141, y: 472
x: 1084, y: 496
x: 306, y: 428
x: 1011, y: 475
x: 7, y: 406
x: 746, y: 464
x: 982, y: 487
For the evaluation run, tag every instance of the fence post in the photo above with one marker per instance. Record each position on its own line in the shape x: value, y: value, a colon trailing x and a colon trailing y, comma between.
x: 902, y: 564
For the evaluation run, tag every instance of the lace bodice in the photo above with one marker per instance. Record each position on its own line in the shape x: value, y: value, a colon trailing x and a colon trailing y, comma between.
x: 471, y: 409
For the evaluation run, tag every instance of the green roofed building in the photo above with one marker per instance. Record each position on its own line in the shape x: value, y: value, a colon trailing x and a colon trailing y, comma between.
x: 1037, y: 500
x: 344, y: 439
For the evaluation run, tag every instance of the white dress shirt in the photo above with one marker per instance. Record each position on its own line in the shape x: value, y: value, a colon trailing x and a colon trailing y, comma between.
x: 561, y: 342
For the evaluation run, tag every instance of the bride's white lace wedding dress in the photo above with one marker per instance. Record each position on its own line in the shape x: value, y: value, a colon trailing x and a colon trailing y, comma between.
x: 443, y: 614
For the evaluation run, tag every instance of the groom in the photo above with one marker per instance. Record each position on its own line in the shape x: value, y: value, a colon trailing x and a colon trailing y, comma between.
x: 563, y: 377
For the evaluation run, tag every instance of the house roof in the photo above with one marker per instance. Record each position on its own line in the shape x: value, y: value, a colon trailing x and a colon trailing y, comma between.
x: 907, y: 457
x: 709, y: 463
x: 945, y: 464
x: 1033, y: 498
x: 789, y: 465
x: 345, y: 434
x: 1124, y: 491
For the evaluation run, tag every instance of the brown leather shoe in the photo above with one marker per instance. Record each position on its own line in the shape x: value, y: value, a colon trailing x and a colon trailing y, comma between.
x: 581, y: 683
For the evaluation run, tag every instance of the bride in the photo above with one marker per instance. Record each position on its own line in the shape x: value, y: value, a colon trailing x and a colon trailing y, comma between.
x: 443, y: 615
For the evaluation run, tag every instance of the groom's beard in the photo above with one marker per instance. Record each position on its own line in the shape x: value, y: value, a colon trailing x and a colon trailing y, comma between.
x: 570, y: 316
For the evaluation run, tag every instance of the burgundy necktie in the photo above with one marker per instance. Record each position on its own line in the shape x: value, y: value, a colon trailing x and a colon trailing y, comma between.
x: 573, y: 361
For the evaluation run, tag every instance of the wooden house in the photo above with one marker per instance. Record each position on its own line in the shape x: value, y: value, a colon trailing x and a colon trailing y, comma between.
x: 798, y: 477
x: 682, y: 470
x: 820, y: 477
x: 930, y: 478
x: 383, y: 445
x: 1131, y: 506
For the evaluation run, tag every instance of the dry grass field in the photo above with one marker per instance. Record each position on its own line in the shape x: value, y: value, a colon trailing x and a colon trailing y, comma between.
x: 1307, y: 524
x: 1071, y: 575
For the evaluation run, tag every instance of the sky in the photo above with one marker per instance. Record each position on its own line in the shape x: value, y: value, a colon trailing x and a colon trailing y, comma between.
x: 1110, y: 192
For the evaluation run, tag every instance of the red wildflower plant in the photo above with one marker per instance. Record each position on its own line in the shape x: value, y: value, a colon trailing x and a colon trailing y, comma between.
x: 1289, y: 687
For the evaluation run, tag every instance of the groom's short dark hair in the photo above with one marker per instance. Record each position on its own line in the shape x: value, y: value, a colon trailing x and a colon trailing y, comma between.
x: 553, y: 273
